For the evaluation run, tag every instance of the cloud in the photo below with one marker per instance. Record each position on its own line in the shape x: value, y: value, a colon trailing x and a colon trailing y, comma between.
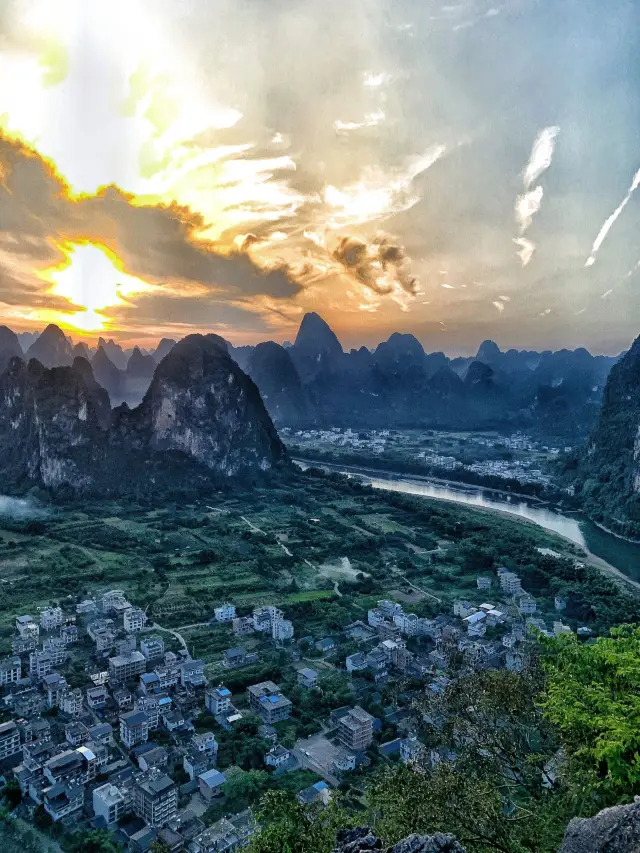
x: 528, y: 204
x: 156, y: 242
x: 610, y: 222
x: 380, y: 264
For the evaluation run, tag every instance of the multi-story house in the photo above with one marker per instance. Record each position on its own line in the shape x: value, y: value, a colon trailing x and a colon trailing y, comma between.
x: 355, y: 729
x: 63, y: 799
x: 134, y: 620
x: 308, y: 677
x: 51, y: 618
x: 356, y: 662
x: 389, y: 609
x: 126, y: 667
x: 134, y: 728
x: 192, y: 673
x: 55, y: 685
x: 408, y: 623
x: 151, y: 707
x: 225, y: 613
x: 9, y: 740
x: 282, y: 629
x: 152, y: 647
x: 69, y: 634
x: 462, y: 609
x: 71, y: 702
x: 268, y: 702
x: 97, y: 697
x: 40, y: 664
x: 206, y: 743
x: 57, y: 648
x: 217, y: 700
x: 155, y: 798
x: 114, y: 601
x: 10, y: 670
x: 527, y: 605
x: 243, y: 625
x: 27, y: 628
x: 111, y: 803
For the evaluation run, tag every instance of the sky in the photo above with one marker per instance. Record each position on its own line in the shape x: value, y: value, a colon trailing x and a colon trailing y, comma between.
x: 458, y: 171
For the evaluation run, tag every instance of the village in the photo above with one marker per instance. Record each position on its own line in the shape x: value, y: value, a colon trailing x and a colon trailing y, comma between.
x: 110, y: 723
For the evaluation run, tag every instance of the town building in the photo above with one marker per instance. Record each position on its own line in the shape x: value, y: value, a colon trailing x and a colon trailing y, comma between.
x: 155, y: 798
x: 151, y: 707
x: 111, y: 803
x: 126, y: 667
x: 356, y: 662
x: 527, y: 605
x: 192, y: 673
x: 355, y: 729
x: 51, y: 618
x: 27, y: 628
x: 483, y: 583
x: 243, y: 625
x: 9, y: 740
x: 57, y: 648
x: 210, y: 783
x: 71, y: 702
x: 475, y: 624
x: 281, y: 630
x: 268, y: 702
x: 225, y: 613
x: 97, y: 697
x: 277, y: 756
x: 462, y: 609
x: 308, y: 677
x: 40, y: 664
x: 63, y: 799
x: 217, y: 700
x: 152, y: 647
x: 134, y: 728
x: 69, y: 634
x: 10, y: 670
x: 238, y: 657
x: 134, y: 620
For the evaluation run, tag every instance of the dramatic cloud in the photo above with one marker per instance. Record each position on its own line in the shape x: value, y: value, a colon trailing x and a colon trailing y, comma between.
x: 380, y: 265
x: 529, y: 203
x: 610, y: 222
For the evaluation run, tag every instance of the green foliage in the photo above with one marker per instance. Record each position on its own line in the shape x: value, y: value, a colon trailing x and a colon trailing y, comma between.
x: 12, y: 793
x: 289, y: 827
x: 593, y: 697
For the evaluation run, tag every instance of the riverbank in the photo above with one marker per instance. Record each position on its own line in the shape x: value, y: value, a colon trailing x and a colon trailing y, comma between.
x: 613, y: 533
x: 566, y: 527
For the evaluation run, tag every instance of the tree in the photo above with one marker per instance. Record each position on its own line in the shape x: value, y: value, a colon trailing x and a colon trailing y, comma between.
x: 288, y: 827
x: 12, y: 793
x: 593, y: 696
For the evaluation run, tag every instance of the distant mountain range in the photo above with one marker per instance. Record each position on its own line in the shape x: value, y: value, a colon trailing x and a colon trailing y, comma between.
x: 314, y: 382
x: 201, y: 421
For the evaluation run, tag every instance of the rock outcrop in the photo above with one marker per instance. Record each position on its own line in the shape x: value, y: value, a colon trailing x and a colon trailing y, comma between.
x: 202, y: 420
x: 52, y: 348
x: 614, y: 830
x: 363, y: 840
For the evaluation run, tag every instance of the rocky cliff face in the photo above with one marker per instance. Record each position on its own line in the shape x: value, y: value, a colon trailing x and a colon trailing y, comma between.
x: 52, y: 349
x: 9, y: 347
x: 363, y: 840
x: 611, y: 471
x: 614, y: 830
x: 202, y: 420
x: 272, y: 369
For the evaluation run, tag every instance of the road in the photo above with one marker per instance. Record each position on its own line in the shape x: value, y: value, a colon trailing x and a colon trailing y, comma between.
x: 252, y: 525
x: 311, y: 764
x: 417, y: 588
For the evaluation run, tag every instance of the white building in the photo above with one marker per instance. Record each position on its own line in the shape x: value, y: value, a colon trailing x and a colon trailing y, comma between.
x: 510, y: 583
x: 51, y: 618
x: 282, y: 629
x: 10, y: 670
x: 134, y: 728
x: 110, y: 803
x: 462, y: 609
x: 152, y: 647
x: 527, y: 605
x: 483, y: 583
x: 375, y: 617
x: 40, y: 664
x: 475, y: 624
x: 408, y: 623
x: 389, y: 608
x: 225, y: 613
x: 69, y: 634
x: 71, y: 702
x: 243, y: 625
x: 9, y: 740
x: 27, y: 628
x: 134, y: 620
x: 217, y: 700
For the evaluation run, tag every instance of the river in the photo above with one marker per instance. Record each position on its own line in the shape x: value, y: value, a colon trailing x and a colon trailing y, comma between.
x: 624, y: 556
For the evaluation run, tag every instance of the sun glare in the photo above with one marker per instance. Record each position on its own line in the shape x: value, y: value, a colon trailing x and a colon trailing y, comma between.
x: 91, y: 278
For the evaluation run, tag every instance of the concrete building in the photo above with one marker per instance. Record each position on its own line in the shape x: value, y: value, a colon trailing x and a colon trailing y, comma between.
x: 9, y: 740
x: 356, y: 662
x: 408, y: 623
x: 152, y: 647
x: 71, y: 702
x: 243, y: 625
x: 483, y: 583
x: 355, y: 729
x: 462, y: 609
x: 40, y: 664
x: 210, y: 783
x: 110, y: 803
x: 151, y: 707
x: 527, y: 605
x: 57, y: 648
x: 389, y: 609
x: 126, y: 667
x: 97, y: 697
x: 277, y: 756
x: 63, y: 799
x: 476, y: 624
x: 27, y: 628
x: 134, y: 728
x: 69, y: 634
x: 217, y: 700
x: 510, y: 583
x: 51, y: 618
x: 205, y: 743
x: 281, y: 630
x: 155, y: 798
x: 10, y: 670
x: 134, y: 620
x: 225, y: 613
x: 268, y: 702
x: 308, y: 677
x: 192, y: 673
